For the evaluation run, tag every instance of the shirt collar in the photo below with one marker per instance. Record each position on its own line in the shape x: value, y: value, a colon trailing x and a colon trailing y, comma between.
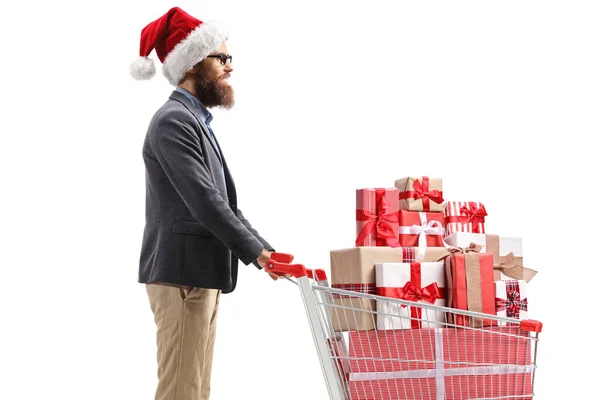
x: 199, y: 106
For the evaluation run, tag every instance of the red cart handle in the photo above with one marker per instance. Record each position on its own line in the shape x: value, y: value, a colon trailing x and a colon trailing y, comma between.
x: 531, y: 325
x: 279, y: 264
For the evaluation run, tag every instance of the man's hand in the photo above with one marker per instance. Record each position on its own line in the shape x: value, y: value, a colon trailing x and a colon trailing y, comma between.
x: 262, y: 260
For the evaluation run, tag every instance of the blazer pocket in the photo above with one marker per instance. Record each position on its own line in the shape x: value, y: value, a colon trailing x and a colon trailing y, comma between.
x: 191, y: 228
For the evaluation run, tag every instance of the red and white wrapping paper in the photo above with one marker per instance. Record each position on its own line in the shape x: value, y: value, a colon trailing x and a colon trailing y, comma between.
x: 418, y: 282
x: 454, y: 364
x: 464, y: 216
x: 421, y: 229
x: 377, y: 217
x: 511, y: 299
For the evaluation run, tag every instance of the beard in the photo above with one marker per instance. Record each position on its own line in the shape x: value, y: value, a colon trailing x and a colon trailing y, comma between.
x: 213, y: 93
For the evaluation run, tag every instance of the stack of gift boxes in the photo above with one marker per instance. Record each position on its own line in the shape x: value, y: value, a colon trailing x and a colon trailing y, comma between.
x: 412, y: 244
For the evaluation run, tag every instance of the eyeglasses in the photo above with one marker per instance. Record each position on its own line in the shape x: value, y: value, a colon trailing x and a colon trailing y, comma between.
x: 222, y: 58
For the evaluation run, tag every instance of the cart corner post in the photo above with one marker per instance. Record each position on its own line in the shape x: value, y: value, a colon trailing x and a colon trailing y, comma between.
x: 332, y: 379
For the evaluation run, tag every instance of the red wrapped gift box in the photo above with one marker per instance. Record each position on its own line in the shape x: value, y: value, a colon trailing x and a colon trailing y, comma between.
x: 464, y: 216
x: 377, y: 217
x: 421, y: 229
x: 446, y: 363
x: 470, y: 284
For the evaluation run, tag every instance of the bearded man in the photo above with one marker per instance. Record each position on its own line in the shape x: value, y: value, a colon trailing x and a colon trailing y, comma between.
x: 194, y: 232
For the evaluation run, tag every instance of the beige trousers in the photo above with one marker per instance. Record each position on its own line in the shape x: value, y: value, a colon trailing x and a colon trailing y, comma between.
x: 185, y: 319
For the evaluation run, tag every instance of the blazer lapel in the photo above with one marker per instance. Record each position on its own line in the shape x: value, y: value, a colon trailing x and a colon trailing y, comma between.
x: 186, y: 102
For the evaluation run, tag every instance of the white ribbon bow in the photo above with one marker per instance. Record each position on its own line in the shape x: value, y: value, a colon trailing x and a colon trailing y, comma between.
x: 426, y: 228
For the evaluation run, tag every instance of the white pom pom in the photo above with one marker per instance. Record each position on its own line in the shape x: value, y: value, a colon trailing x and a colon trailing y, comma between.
x: 142, y: 68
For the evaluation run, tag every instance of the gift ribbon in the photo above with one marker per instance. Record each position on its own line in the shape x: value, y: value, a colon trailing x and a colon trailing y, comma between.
x: 412, y: 291
x: 509, y: 265
x: 513, y: 303
x: 380, y: 223
x: 472, y: 248
x: 432, y: 227
x: 471, y: 276
x: 472, y: 214
x: 421, y: 191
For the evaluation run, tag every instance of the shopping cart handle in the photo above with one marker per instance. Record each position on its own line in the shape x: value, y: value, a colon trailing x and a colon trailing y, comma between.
x: 282, y: 257
x: 531, y: 325
x: 296, y: 270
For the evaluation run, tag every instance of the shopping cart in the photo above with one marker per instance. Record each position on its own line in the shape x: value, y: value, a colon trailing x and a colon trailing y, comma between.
x: 454, y: 354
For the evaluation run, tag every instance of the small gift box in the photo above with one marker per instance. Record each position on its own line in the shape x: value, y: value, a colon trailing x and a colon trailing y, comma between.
x: 421, y: 229
x: 420, y: 193
x: 507, y: 251
x: 417, y: 282
x: 511, y: 299
x: 460, y: 216
x: 470, y: 284
x: 377, y: 217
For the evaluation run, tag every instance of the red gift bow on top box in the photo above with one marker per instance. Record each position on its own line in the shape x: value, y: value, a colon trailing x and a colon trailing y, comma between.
x: 471, y: 214
x: 421, y: 191
x: 379, y: 222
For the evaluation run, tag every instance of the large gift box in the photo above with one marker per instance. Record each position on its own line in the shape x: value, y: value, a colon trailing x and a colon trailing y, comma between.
x: 420, y: 193
x: 464, y: 216
x: 418, y: 282
x: 501, y: 247
x: 511, y: 299
x: 437, y: 364
x: 421, y: 229
x: 377, y: 217
x: 470, y: 284
x: 354, y: 269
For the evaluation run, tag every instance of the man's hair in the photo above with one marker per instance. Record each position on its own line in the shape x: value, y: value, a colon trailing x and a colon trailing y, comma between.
x: 192, y: 71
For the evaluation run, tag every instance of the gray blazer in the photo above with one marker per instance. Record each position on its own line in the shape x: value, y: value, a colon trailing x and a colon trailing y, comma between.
x: 194, y: 232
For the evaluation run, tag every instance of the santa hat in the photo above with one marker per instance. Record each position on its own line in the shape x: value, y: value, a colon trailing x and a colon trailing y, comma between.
x: 180, y: 41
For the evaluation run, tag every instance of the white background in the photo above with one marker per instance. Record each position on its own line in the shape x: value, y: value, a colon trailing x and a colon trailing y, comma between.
x: 500, y: 99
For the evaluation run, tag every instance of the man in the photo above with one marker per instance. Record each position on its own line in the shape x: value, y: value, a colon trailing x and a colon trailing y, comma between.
x: 194, y: 232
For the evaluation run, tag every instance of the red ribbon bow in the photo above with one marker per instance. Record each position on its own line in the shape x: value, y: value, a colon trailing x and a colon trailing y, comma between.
x: 380, y: 222
x: 474, y: 215
x: 512, y: 304
x: 410, y: 292
x: 421, y: 191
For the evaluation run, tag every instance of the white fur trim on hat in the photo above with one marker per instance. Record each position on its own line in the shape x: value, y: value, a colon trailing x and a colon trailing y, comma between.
x: 205, y: 39
x: 142, y: 68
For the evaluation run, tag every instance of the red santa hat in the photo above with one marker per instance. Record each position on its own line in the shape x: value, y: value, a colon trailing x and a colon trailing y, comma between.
x: 180, y: 41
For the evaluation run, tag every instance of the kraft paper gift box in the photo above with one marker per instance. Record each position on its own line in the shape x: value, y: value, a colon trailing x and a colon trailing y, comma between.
x: 446, y: 363
x: 464, y: 216
x: 501, y: 247
x: 470, y: 284
x: 354, y: 269
x: 377, y: 217
x: 420, y: 193
x: 421, y: 229
x: 511, y: 300
x: 418, y: 282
